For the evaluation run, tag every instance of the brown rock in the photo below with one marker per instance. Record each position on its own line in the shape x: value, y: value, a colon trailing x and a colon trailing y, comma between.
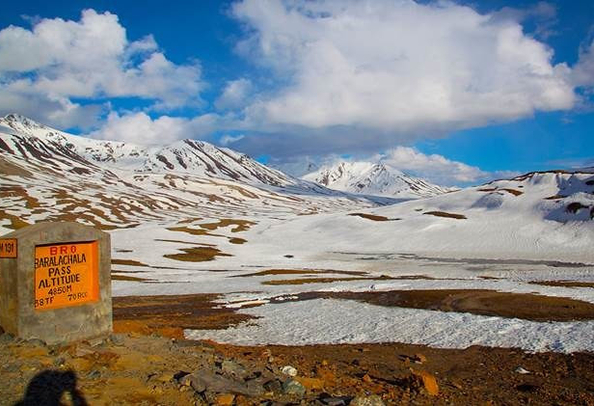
x: 225, y: 399
x: 420, y: 358
x: 429, y: 382
x: 328, y: 377
x: 311, y: 383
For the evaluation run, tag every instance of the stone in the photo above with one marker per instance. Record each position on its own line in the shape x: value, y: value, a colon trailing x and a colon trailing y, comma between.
x: 225, y: 399
x: 117, y: 339
x: 59, y: 362
x: 372, y: 400
x: 194, y: 382
x: 232, y: 368
x: 293, y: 387
x: 289, y: 370
x: 97, y: 342
x: 274, y: 386
x: 420, y: 358
x: 429, y: 382
x: 37, y: 342
x: 522, y: 371
x: 205, y: 380
x: 255, y: 386
x: 94, y: 374
x: 335, y: 401
x: 165, y: 377
x: 311, y: 383
x: 83, y: 351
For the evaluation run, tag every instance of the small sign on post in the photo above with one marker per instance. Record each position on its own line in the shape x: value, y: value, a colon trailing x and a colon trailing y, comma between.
x: 57, y: 286
x: 8, y: 248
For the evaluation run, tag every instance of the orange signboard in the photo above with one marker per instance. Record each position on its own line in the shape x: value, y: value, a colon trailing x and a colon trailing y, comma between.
x: 8, y: 248
x: 66, y: 275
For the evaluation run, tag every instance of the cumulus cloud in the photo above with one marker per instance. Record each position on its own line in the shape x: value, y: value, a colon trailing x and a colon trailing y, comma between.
x: 397, y: 66
x: 140, y: 128
x: 583, y: 71
x: 434, y: 166
x: 437, y: 168
x: 58, y: 60
x: 234, y: 94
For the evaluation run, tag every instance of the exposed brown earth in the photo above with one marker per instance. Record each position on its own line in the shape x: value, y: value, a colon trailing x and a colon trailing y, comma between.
x: 566, y: 284
x: 370, y: 216
x: 116, y: 277
x: 169, y: 315
x: 131, y: 262
x: 192, y: 231
x: 239, y: 225
x: 139, y: 366
x: 301, y: 272
x: 513, y: 191
x: 302, y: 281
x: 446, y: 214
x: 197, y: 254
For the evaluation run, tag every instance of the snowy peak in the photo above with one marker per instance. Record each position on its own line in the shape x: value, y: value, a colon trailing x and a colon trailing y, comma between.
x: 205, y: 159
x: 374, y: 179
x: 25, y: 139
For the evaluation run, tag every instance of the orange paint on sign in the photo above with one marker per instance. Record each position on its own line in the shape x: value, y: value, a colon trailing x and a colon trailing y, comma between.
x: 66, y: 275
x: 8, y: 248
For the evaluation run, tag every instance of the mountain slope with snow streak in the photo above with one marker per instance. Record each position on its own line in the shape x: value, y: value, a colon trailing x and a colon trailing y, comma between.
x: 46, y: 174
x: 187, y: 156
x: 374, y: 179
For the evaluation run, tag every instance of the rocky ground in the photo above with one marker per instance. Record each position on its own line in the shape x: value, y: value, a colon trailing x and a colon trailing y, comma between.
x: 147, y: 362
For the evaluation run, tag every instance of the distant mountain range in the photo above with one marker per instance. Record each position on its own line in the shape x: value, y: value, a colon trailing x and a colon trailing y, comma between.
x: 50, y: 174
x: 187, y: 156
x: 377, y: 179
x: 46, y: 174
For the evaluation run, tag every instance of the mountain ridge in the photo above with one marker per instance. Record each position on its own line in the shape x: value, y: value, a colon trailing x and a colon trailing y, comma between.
x: 46, y: 174
x: 371, y: 178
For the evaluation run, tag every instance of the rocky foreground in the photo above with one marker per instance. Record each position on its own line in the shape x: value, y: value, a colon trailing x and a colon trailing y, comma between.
x: 131, y: 368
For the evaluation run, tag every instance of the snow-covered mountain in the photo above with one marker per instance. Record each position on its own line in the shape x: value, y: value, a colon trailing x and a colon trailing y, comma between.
x: 537, y: 216
x: 377, y: 179
x: 53, y: 175
x: 187, y: 156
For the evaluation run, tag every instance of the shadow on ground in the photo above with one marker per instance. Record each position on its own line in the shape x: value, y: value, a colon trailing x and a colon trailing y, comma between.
x: 47, y: 388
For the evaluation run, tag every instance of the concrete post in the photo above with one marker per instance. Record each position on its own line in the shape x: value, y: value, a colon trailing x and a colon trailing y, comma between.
x: 55, y: 282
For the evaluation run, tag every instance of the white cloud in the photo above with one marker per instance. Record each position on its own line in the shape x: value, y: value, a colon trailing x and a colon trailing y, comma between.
x: 140, y: 128
x: 230, y: 139
x: 92, y: 59
x: 234, y: 94
x: 583, y: 72
x: 437, y: 168
x: 397, y: 66
x: 434, y: 167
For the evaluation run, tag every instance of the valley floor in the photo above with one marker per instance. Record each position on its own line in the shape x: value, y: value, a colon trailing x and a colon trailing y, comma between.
x: 285, y: 294
x: 137, y: 369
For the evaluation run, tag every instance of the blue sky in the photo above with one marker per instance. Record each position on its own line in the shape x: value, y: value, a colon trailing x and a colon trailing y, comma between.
x: 457, y: 92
